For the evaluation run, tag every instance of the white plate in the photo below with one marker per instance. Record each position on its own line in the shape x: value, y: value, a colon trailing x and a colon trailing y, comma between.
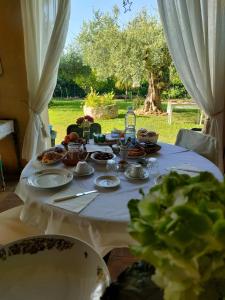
x: 107, y: 181
x: 91, y: 171
x: 146, y: 175
x: 51, y: 267
x: 50, y: 178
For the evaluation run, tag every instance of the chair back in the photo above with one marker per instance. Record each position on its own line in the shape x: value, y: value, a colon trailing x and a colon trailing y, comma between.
x: 94, y: 128
x: 74, y: 128
x: 203, y: 144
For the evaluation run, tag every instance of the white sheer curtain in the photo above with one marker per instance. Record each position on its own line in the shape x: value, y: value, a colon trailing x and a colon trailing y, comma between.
x: 195, y: 32
x: 45, y: 26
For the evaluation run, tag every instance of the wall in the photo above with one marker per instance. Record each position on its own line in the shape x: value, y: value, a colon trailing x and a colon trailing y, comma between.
x: 13, y: 86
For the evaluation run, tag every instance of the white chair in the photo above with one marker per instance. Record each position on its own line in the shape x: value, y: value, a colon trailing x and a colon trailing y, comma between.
x: 51, y: 267
x: 203, y: 144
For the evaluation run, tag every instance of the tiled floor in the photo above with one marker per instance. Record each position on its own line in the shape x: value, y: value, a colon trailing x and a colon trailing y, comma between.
x: 7, y: 198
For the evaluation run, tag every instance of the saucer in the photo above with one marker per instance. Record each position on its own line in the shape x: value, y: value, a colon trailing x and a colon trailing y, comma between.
x: 90, y: 172
x: 146, y: 175
x: 106, y: 181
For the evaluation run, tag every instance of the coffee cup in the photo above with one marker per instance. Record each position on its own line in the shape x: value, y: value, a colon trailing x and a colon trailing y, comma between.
x: 82, y: 168
x: 136, y: 171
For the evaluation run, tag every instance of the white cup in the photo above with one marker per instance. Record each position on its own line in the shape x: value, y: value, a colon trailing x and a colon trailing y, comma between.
x: 82, y: 167
x: 136, y: 171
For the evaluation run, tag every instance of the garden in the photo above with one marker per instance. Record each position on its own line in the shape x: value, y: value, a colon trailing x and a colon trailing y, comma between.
x: 109, y: 68
x: 63, y: 112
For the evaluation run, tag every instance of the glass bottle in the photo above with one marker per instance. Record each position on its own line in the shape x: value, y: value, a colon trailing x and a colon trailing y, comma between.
x: 130, y: 125
x: 86, y: 130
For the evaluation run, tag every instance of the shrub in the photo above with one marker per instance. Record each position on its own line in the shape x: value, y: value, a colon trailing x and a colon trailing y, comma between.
x: 93, y: 99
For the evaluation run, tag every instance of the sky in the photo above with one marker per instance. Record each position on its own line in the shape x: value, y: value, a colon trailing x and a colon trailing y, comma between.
x: 82, y: 10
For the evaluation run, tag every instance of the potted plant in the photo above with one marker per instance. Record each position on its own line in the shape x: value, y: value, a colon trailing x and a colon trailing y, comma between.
x: 180, y: 228
x: 100, y: 106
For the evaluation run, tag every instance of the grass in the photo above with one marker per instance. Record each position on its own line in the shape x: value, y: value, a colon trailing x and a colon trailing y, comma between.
x: 65, y: 112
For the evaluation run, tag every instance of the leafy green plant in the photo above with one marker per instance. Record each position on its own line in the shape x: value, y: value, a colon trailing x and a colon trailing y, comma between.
x: 93, y: 99
x: 107, y: 99
x: 180, y: 227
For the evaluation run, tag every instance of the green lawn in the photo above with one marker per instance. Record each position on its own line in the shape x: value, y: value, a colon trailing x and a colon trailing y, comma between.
x: 65, y: 112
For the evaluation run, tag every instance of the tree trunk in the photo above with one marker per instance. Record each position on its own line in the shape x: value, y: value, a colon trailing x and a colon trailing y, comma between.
x: 152, y: 102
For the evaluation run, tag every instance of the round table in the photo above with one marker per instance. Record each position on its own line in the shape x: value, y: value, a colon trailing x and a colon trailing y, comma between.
x: 103, y: 223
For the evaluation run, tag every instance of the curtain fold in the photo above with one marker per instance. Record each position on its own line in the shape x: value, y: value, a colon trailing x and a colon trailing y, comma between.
x: 45, y: 26
x: 194, y: 31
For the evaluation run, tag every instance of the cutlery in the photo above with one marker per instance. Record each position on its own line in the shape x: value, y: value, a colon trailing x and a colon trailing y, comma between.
x: 185, y: 170
x: 74, y: 196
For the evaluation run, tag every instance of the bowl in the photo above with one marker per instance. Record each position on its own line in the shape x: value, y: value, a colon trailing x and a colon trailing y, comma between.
x: 102, y: 157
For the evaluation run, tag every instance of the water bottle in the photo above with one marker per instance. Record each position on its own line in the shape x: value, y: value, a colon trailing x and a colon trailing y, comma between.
x: 130, y: 124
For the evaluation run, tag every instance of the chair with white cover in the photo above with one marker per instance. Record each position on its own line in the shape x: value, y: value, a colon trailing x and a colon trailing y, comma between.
x: 51, y: 267
x: 203, y: 144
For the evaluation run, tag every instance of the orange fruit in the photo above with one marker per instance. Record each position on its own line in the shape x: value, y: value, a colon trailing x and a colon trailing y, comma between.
x: 73, y: 136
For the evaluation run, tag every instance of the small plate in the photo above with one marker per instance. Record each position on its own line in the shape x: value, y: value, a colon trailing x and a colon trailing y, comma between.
x: 146, y: 175
x: 91, y: 171
x: 50, y: 178
x: 107, y: 181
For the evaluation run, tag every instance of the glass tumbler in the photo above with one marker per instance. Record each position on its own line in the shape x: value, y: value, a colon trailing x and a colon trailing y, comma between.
x: 112, y: 167
x: 153, y: 167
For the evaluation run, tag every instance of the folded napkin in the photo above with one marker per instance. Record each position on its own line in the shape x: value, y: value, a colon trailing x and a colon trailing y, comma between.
x: 76, y: 204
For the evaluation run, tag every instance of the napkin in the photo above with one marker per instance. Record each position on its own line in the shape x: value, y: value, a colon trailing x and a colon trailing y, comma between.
x: 76, y: 204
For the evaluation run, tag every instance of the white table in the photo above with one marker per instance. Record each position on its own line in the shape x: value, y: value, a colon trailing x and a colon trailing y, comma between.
x: 103, y: 223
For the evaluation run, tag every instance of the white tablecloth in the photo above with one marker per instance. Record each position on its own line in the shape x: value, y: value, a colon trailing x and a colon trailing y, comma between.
x: 103, y: 223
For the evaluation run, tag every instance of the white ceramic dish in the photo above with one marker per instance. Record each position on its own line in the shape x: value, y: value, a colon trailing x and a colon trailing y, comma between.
x: 90, y: 172
x: 51, y: 267
x: 146, y: 175
x: 50, y: 178
x: 102, y: 161
x: 107, y: 181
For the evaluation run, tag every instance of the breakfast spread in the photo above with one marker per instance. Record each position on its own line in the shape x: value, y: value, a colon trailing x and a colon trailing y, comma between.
x: 143, y: 135
x: 51, y: 155
x: 73, y: 137
x: 136, y: 152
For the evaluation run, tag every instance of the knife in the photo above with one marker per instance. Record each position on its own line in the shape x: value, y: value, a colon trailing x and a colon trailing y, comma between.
x: 74, y: 196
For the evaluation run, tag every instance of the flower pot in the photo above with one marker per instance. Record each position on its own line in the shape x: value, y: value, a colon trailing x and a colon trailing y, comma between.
x: 102, y: 112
